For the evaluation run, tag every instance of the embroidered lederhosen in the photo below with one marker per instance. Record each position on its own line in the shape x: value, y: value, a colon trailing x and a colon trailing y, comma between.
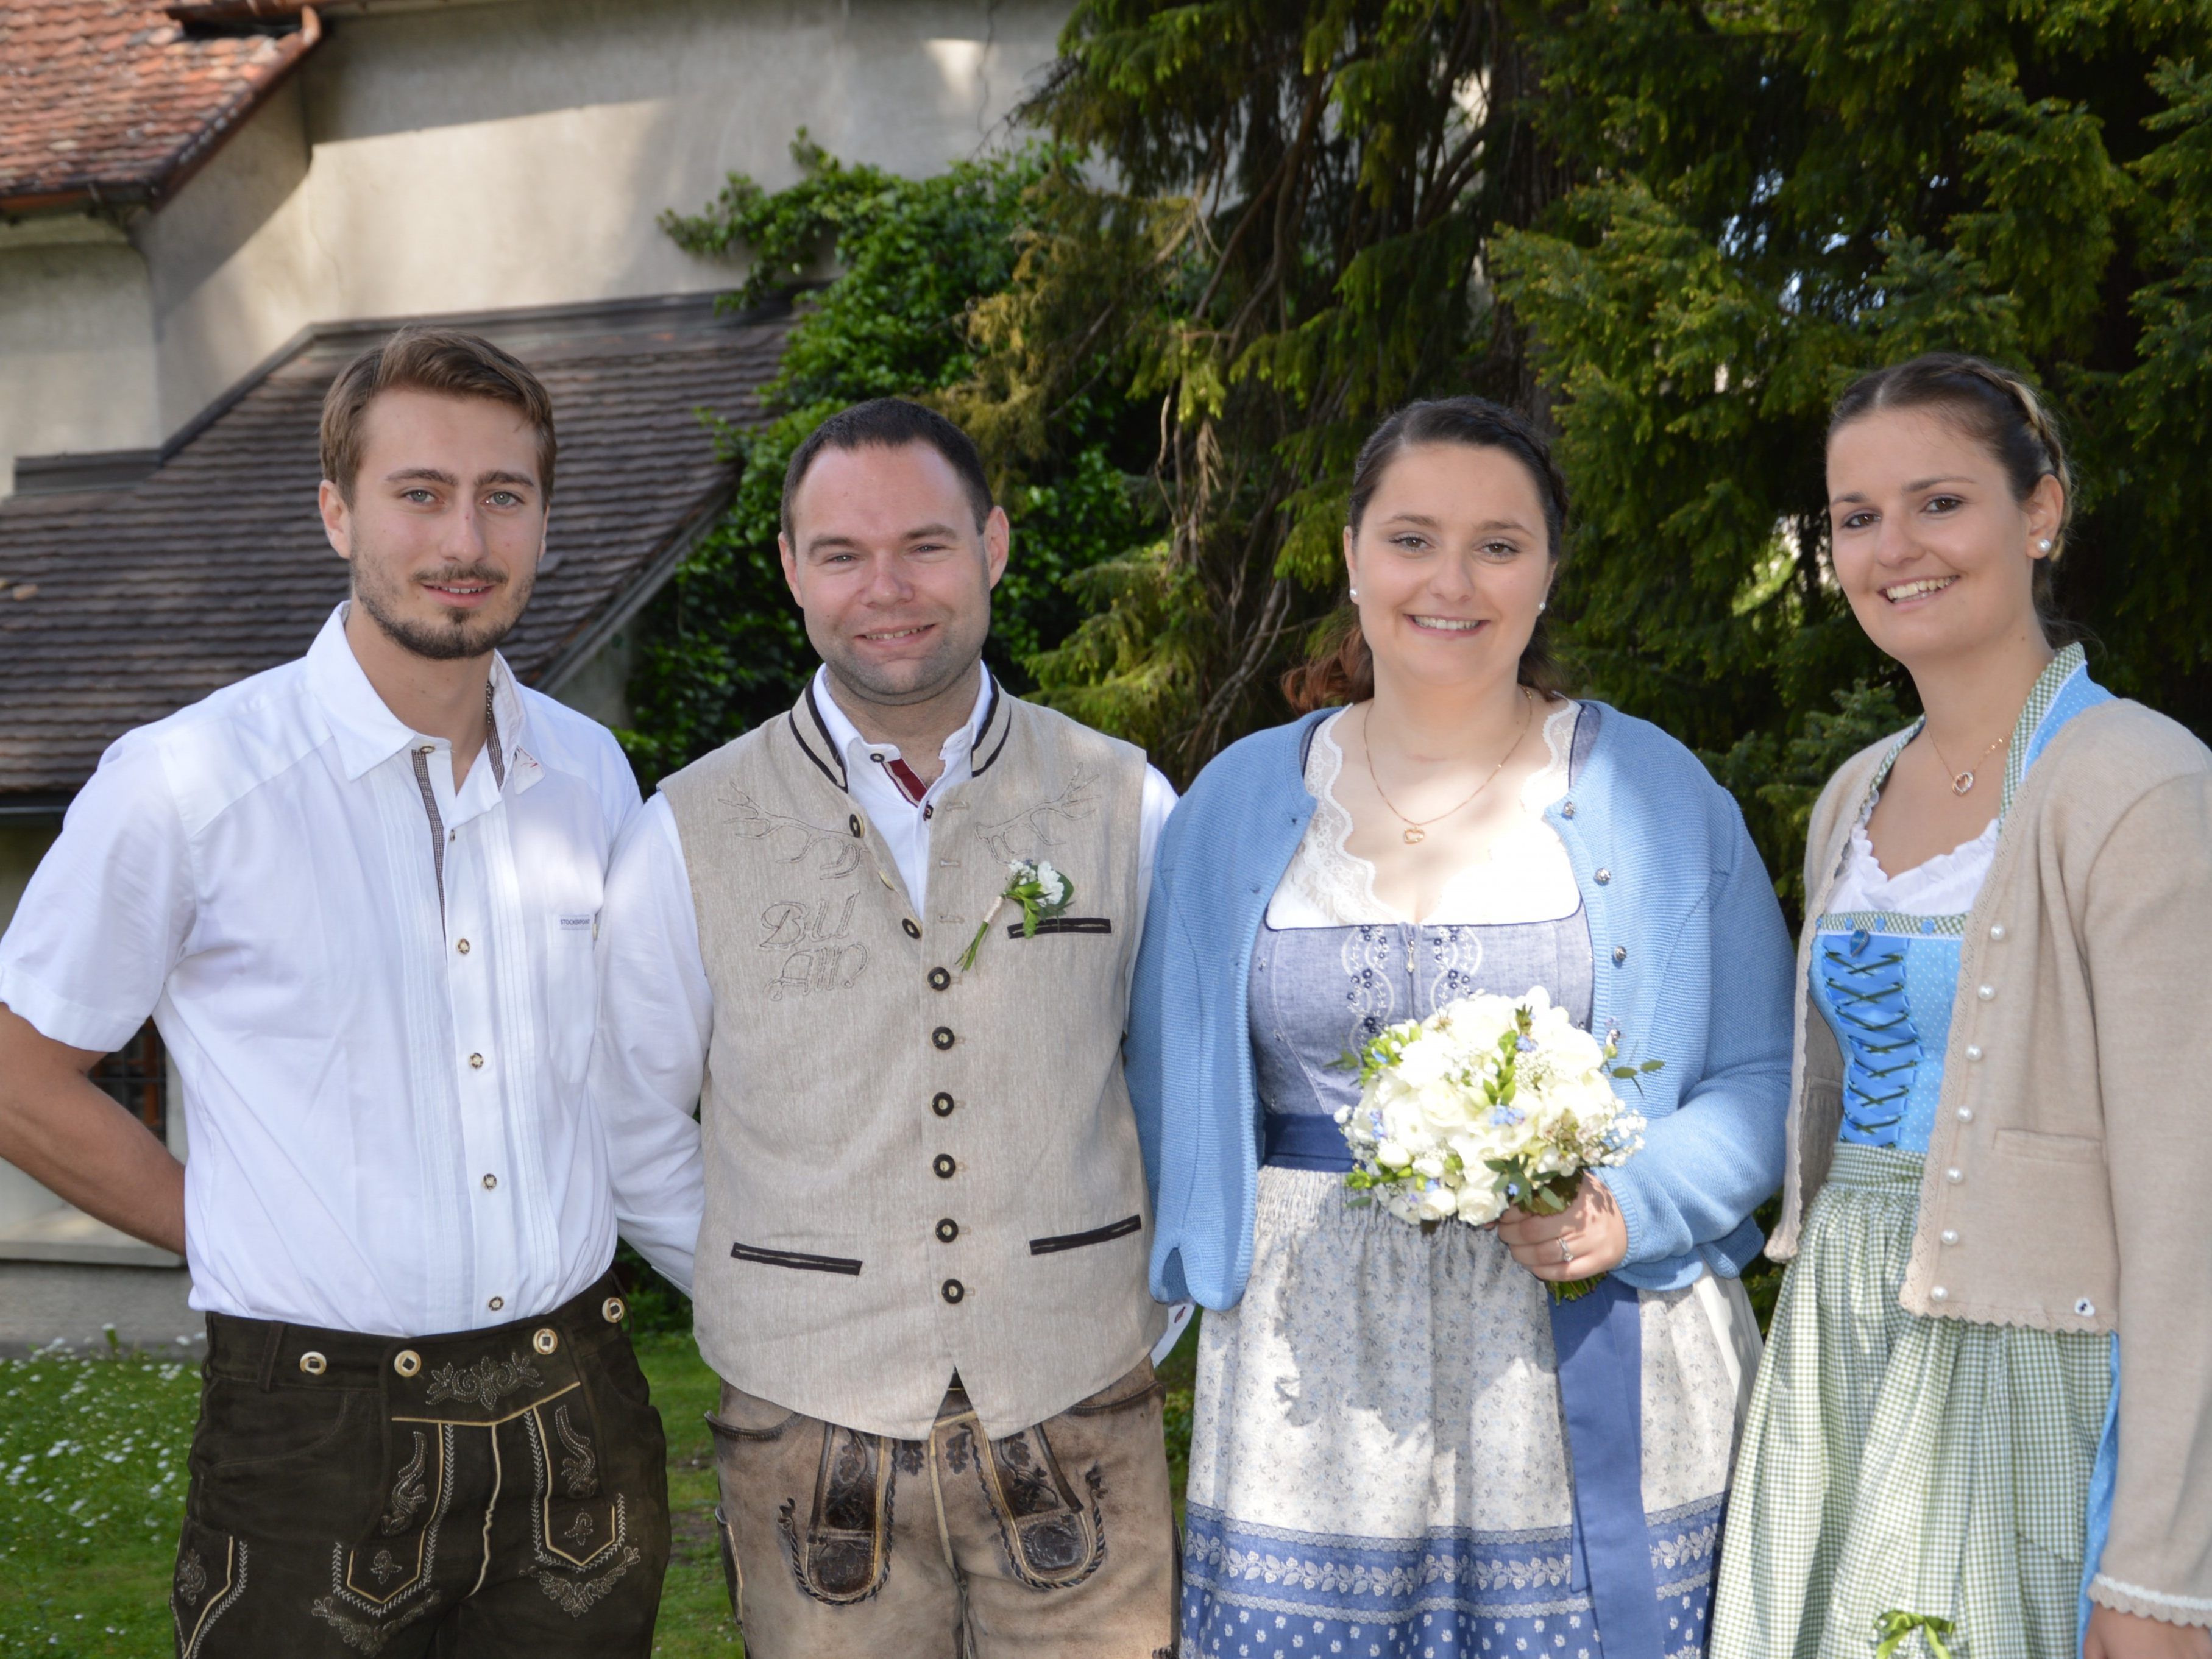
x: 450, y: 1464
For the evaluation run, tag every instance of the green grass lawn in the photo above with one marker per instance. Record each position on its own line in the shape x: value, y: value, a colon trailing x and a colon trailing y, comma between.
x: 85, y: 1541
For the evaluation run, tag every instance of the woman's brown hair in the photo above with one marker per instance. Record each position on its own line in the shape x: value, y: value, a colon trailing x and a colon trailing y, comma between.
x: 1994, y: 407
x: 1342, y: 667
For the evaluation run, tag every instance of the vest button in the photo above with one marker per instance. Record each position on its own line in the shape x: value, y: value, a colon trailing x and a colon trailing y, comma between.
x: 947, y: 1231
x: 938, y: 979
x: 853, y: 822
x: 912, y: 928
x: 952, y: 1290
x: 941, y: 1104
x: 942, y: 1036
x: 943, y: 1165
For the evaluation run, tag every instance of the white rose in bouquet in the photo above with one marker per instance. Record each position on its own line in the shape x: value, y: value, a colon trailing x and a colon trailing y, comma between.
x: 1491, y: 1101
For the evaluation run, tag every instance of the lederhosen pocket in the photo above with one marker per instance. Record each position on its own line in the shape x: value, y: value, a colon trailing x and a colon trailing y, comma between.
x: 846, y: 1551
x: 209, y: 1576
x: 1055, y: 1534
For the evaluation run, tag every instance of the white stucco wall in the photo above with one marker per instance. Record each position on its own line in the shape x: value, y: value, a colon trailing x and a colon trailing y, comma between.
x: 76, y: 342
x: 482, y: 157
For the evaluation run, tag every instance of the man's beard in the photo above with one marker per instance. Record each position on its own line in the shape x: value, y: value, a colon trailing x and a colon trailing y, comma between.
x: 909, y: 682
x: 459, y: 635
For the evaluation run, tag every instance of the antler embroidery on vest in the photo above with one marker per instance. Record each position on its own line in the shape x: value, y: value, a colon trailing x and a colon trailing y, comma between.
x: 1028, y: 834
x: 835, y: 851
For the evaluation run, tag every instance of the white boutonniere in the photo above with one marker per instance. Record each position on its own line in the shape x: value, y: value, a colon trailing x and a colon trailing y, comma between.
x: 1039, y: 889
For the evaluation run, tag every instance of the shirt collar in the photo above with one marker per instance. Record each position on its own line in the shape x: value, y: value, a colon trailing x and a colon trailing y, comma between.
x: 845, y: 738
x: 366, y: 731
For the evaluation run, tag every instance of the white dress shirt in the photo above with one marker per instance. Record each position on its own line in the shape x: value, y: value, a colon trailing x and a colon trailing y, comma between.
x: 656, y: 1008
x: 379, y: 990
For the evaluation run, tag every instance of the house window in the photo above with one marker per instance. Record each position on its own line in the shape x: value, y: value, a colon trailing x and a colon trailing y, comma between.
x: 137, y: 1076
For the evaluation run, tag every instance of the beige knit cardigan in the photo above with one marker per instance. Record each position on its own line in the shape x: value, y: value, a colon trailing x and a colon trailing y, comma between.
x: 2068, y: 1182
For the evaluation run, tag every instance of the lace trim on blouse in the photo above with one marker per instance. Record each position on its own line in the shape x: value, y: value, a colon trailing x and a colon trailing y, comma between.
x: 1526, y: 877
x: 1945, y: 885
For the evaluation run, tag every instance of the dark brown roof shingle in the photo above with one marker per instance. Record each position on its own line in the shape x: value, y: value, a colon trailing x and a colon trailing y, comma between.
x: 116, y: 610
x: 111, y: 101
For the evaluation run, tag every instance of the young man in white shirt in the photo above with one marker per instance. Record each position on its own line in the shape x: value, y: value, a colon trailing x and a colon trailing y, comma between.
x: 358, y: 894
x: 921, y: 1270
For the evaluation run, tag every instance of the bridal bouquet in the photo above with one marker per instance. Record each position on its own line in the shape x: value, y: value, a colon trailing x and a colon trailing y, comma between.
x: 1491, y: 1101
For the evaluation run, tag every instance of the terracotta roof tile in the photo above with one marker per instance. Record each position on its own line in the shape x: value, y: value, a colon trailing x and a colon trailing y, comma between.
x: 114, y: 100
x: 116, y: 610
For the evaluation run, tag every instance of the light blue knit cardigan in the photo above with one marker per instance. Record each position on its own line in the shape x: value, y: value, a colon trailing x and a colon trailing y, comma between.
x: 1691, y: 962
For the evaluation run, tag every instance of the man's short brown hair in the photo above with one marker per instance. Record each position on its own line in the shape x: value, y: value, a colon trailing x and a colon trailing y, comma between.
x: 442, y: 361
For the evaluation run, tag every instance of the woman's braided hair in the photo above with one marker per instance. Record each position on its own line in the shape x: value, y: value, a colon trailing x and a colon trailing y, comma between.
x: 1992, y: 405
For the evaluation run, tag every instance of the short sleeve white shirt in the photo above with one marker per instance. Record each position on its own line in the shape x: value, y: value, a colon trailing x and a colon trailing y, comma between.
x: 379, y: 990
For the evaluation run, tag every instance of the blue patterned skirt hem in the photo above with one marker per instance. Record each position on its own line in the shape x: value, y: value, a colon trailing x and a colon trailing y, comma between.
x: 1254, y: 1592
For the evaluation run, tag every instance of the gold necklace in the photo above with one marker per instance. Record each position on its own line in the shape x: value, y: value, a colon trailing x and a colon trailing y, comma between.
x: 1417, y: 831
x: 1962, y: 782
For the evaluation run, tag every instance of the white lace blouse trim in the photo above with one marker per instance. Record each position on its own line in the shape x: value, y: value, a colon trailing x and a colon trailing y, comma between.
x: 1945, y: 885
x: 1527, y: 876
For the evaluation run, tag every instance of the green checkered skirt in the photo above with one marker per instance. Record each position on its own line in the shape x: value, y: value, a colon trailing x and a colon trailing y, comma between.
x: 1891, y: 1461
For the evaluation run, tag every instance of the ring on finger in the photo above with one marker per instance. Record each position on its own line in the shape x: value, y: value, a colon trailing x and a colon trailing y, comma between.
x: 1566, y: 1251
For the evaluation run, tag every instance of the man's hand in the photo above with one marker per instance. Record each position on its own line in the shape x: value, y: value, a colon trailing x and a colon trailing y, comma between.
x: 60, y: 1129
x: 1591, y: 1228
x: 2116, y: 1635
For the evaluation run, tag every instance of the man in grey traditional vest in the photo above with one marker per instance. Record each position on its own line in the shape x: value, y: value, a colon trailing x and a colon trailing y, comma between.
x: 922, y: 1264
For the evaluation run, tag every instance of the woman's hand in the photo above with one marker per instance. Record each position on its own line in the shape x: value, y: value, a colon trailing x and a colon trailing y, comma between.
x: 1586, y: 1238
x: 2115, y: 1635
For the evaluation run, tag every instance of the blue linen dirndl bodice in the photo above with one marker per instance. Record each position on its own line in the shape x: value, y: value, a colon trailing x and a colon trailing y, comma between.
x: 1317, y: 993
x: 1885, y: 984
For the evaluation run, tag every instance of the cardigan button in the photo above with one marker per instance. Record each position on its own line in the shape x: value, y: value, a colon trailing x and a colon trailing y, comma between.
x: 1966, y: 1114
x: 1619, y: 955
x: 1987, y: 994
x: 1603, y: 876
x: 1567, y: 809
x: 1997, y: 930
x: 1950, y: 1235
x: 2085, y: 1308
x: 1955, y: 1176
x: 1973, y: 1051
x: 1939, y: 1294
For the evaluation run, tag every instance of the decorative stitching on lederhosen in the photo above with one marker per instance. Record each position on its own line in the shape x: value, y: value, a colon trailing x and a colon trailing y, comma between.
x: 196, y: 1599
x: 845, y: 1554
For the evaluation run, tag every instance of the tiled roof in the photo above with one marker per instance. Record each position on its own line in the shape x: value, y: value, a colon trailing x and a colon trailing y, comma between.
x: 116, y: 102
x: 118, y: 609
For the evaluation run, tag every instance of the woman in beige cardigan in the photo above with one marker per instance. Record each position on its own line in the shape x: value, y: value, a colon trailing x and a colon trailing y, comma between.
x: 1987, y: 1395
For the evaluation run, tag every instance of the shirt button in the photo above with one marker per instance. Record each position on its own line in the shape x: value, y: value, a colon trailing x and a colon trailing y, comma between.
x: 475, y: 1062
x: 1987, y: 993
x: 938, y: 979
x: 928, y: 813
x: 1950, y: 1235
x: 1997, y: 930
x: 947, y: 1231
x: 1954, y: 1176
x: 912, y: 928
x: 490, y: 1182
x: 952, y: 1290
x: 878, y: 759
x: 1939, y: 1294
x: 1966, y: 1114
x: 496, y: 1304
x: 942, y: 1036
x: 1973, y: 1051
x: 941, y: 1104
x: 463, y: 947
x: 1619, y: 955
x: 944, y: 1166
x: 428, y: 749
x: 1603, y: 876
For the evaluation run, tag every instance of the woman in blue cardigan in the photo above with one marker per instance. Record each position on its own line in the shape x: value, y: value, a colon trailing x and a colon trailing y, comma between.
x: 1402, y: 1447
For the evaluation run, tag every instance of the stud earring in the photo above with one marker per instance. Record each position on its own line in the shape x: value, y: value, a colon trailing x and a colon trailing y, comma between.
x: 1542, y: 605
x: 2045, y: 544
x: 1355, y: 591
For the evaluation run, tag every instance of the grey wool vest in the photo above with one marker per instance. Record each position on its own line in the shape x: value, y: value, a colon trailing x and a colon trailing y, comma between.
x: 912, y: 1171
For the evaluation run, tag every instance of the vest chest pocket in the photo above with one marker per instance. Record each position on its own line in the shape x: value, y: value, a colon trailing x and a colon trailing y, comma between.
x: 1062, y: 924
